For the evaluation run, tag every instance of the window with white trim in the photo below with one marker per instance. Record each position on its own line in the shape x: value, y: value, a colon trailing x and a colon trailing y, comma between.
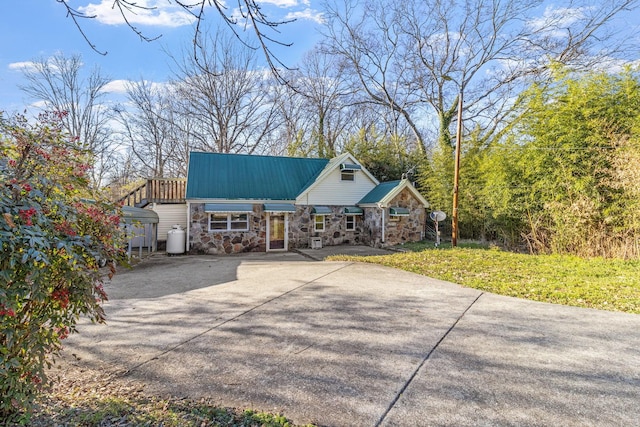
x: 351, y: 222
x: 318, y: 223
x: 348, y: 175
x: 228, y: 222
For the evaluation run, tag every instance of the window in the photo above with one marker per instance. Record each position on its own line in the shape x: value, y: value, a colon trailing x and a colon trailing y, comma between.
x: 218, y: 221
x: 228, y: 222
x: 318, y: 223
x: 347, y: 175
x: 238, y: 222
x: 351, y: 222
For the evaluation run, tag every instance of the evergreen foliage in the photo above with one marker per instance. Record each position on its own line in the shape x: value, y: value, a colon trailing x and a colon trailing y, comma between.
x: 51, y: 239
x: 564, y: 177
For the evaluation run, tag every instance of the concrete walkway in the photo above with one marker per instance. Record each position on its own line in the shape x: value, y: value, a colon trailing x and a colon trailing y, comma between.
x: 324, y: 252
x: 350, y: 344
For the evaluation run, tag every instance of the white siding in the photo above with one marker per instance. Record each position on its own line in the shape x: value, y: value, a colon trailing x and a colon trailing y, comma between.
x: 333, y: 191
x: 170, y: 215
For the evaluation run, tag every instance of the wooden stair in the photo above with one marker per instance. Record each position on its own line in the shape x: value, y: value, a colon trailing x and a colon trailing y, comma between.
x: 156, y: 190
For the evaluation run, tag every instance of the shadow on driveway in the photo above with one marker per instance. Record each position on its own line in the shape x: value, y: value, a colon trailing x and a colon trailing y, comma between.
x: 338, y: 343
x: 161, y: 275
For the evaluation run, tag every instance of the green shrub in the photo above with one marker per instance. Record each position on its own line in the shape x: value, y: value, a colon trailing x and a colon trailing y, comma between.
x: 51, y: 237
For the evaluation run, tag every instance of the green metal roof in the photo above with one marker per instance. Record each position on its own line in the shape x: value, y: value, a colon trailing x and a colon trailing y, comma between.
x: 241, y: 176
x: 322, y: 210
x: 379, y: 192
x: 279, y: 207
x: 353, y: 210
x: 131, y: 215
x: 397, y: 211
x: 228, y: 207
x: 350, y: 167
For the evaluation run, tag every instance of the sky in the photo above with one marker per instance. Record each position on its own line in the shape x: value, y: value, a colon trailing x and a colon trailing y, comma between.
x: 35, y: 29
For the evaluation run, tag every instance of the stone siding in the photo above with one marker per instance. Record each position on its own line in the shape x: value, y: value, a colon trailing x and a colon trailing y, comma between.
x: 399, y: 229
x: 301, y: 228
x: 202, y: 241
x: 405, y: 228
x: 372, y: 230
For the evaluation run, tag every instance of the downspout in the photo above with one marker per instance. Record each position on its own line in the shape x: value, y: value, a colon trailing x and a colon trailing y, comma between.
x: 383, y: 230
x: 188, y: 227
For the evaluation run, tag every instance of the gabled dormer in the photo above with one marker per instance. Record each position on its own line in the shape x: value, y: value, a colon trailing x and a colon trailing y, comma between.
x: 343, y: 181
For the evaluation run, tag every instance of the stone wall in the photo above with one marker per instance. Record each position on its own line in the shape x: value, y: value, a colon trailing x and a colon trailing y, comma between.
x: 226, y: 242
x: 301, y: 228
x: 405, y: 228
x: 371, y: 224
x: 399, y: 229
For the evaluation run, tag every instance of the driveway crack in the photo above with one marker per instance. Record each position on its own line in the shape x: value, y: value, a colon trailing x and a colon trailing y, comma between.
x: 231, y: 319
x: 424, y: 360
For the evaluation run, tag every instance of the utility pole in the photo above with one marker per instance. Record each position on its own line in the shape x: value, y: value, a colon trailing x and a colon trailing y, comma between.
x: 456, y: 174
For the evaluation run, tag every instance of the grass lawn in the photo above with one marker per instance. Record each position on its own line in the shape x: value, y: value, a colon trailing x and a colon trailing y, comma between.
x: 604, y: 284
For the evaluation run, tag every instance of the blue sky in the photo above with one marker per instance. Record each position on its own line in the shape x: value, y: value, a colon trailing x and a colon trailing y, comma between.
x: 33, y: 29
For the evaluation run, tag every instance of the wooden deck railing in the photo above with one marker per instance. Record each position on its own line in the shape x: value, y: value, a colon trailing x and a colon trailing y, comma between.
x: 156, y: 190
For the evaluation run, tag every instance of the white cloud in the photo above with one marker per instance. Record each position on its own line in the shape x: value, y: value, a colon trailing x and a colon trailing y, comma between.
x: 615, y: 65
x: 162, y: 13
x: 39, y: 105
x: 308, y: 14
x: 555, y: 18
x: 116, y: 86
x: 120, y: 86
x: 281, y: 3
x: 23, y: 66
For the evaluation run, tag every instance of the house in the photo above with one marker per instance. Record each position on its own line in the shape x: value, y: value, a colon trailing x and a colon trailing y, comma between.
x: 241, y: 203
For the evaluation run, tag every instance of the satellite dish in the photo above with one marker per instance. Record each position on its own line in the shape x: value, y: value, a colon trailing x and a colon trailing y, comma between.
x: 437, y: 216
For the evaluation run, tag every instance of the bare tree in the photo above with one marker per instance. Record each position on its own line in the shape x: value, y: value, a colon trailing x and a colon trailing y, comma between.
x: 322, y: 111
x: 228, y: 102
x: 150, y: 127
x: 124, y: 176
x: 370, y: 47
x: 315, y: 107
x: 62, y: 85
x: 321, y: 83
x: 247, y: 15
x: 294, y: 127
x: 416, y: 57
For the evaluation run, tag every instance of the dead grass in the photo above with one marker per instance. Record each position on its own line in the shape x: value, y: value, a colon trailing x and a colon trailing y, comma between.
x: 82, y: 396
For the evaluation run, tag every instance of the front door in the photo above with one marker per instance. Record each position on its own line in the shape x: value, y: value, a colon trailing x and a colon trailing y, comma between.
x: 277, y: 232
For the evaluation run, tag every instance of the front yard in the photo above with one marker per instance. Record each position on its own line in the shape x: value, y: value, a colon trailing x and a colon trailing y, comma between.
x: 599, y: 283
x: 96, y: 398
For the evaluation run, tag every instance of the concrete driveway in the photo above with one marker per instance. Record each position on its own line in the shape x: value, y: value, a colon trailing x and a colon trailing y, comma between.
x: 350, y: 344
